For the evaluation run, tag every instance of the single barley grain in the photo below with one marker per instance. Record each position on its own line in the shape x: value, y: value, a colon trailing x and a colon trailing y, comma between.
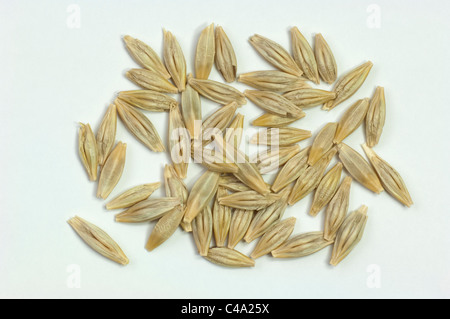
x: 133, y: 195
x: 375, y: 118
x: 106, y: 134
x: 309, y: 97
x: 148, y: 210
x: 322, y: 143
x: 140, y: 126
x: 88, y: 151
x: 219, y: 120
x: 191, y: 108
x: 216, y: 91
x: 351, y: 120
x: 304, y: 55
x: 349, y: 235
x: 326, y: 189
x: 302, y: 245
x: 274, y: 103
x: 221, y: 218
x: 112, y: 171
x: 249, y: 200
x: 326, y: 64
x: 240, y: 222
x: 337, y: 209
x: 227, y: 257
x: 147, y: 100
x: 390, y: 179
x: 204, y: 56
x: 98, y: 240
x: 201, y: 194
x: 275, y: 54
x: 174, y: 60
x: 202, y: 229
x: 273, y: 80
x: 234, y: 131
x: 150, y: 80
x: 274, y: 237
x: 164, y: 228
x: 272, y: 120
x: 225, y: 57
x: 348, y: 84
x: 282, y: 136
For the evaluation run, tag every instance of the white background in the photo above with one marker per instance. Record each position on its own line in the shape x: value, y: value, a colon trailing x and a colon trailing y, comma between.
x: 54, y: 76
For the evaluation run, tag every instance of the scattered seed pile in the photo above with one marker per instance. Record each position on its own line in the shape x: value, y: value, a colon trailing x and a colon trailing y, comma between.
x: 231, y: 201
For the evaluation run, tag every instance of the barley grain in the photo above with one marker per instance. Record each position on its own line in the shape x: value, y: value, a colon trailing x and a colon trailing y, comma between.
x: 112, y: 171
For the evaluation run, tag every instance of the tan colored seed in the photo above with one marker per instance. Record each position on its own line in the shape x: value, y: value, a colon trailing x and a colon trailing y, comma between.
x: 218, y: 121
x: 282, y: 136
x: 359, y: 168
x: 274, y: 237
x: 292, y: 170
x: 145, y: 56
x: 349, y: 235
x: 179, y: 141
x: 112, y: 171
x: 227, y: 257
x: 326, y: 189
x: 202, y: 229
x: 140, y: 126
x: 375, y: 118
x: 204, y: 56
x: 302, y: 245
x: 151, y: 81
x: 225, y: 57
x: 133, y: 195
x: 310, y: 178
x: 88, y: 151
x: 106, y: 134
x: 275, y: 54
x: 147, y: 100
x: 274, y: 103
x: 304, y: 55
x: 249, y: 200
x: 273, y: 80
x: 275, y: 157
x: 148, y: 210
x: 309, y: 97
x: 390, y: 179
x: 232, y: 183
x: 221, y: 218
x: 98, y: 240
x: 191, y: 108
x: 174, y: 60
x: 337, y: 209
x: 240, y: 221
x: 217, y: 162
x: 234, y: 131
x: 348, y: 84
x: 265, y: 218
x: 218, y: 92
x: 248, y: 172
x: 322, y: 143
x: 201, y: 194
x: 351, y: 120
x: 326, y: 64
x: 272, y: 120
x: 175, y: 187
x: 164, y: 228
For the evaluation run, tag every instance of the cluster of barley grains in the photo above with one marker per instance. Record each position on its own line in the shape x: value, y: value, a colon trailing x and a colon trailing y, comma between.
x: 231, y: 202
